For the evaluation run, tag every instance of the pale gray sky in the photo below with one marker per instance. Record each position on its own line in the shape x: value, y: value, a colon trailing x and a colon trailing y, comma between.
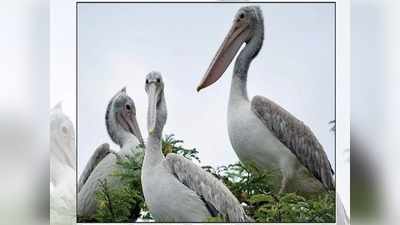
x: 120, y: 43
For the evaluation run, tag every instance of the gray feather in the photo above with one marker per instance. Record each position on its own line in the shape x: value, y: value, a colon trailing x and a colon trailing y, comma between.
x: 210, y: 207
x: 297, y: 137
x: 213, y: 191
x: 99, y: 154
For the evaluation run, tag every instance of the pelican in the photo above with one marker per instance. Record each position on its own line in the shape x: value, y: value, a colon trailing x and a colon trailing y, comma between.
x: 260, y: 131
x: 62, y: 168
x: 176, y: 189
x: 123, y: 129
x: 62, y: 144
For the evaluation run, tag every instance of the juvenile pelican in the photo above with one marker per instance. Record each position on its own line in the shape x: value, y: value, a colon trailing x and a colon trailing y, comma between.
x: 176, y: 189
x: 260, y: 131
x: 123, y: 129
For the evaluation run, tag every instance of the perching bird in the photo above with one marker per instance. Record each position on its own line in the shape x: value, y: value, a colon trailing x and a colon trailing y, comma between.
x: 260, y: 131
x: 62, y: 168
x: 176, y: 189
x: 123, y: 129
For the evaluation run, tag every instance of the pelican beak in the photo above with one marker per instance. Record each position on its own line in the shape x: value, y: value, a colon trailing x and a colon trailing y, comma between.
x: 129, y: 122
x: 133, y: 127
x: 152, y: 113
x: 238, y: 34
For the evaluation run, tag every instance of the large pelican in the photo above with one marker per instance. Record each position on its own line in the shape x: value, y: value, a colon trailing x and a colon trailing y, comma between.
x: 261, y: 132
x: 123, y: 129
x: 176, y: 189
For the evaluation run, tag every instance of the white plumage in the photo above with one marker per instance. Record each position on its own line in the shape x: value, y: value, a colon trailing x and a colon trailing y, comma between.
x: 62, y: 168
x: 261, y: 132
x: 176, y: 189
x: 123, y: 129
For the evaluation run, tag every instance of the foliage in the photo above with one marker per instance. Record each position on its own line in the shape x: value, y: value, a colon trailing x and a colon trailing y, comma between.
x: 253, y: 188
x: 292, y: 208
x: 244, y: 181
x: 126, y: 203
x: 116, y: 205
x: 172, y: 145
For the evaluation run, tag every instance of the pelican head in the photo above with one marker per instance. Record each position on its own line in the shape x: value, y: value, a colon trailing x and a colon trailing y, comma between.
x: 157, y: 111
x: 247, y: 27
x: 62, y: 136
x: 121, y: 118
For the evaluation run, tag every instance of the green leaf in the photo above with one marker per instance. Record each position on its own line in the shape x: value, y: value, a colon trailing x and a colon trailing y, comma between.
x: 215, y: 219
x: 261, y: 198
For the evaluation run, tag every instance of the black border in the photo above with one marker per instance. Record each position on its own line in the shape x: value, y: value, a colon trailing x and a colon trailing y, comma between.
x: 183, y: 2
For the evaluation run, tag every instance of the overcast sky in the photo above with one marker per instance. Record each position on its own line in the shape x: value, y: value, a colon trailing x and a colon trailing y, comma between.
x: 120, y: 43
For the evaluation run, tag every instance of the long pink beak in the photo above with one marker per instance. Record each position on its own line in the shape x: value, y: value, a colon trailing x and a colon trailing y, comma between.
x: 236, y: 36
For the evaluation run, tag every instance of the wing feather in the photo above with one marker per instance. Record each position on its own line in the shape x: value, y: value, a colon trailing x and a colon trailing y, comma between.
x: 212, y: 190
x: 99, y: 154
x: 297, y: 137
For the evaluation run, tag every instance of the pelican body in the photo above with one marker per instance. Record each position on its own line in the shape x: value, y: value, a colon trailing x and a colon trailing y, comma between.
x: 260, y: 131
x: 176, y: 189
x: 123, y: 129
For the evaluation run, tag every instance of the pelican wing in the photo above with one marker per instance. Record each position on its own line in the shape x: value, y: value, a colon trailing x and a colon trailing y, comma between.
x: 99, y: 154
x: 297, y: 137
x: 213, y: 192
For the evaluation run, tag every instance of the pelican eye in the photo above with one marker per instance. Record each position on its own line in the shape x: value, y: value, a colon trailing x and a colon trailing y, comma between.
x: 147, y: 81
x: 241, y: 16
x: 64, y: 129
x: 158, y: 80
x: 128, y: 107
